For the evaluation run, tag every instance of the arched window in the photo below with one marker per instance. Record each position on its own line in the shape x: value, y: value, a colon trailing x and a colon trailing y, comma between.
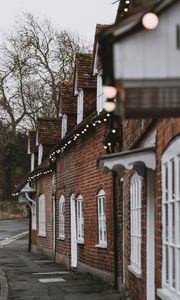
x: 101, y: 199
x: 136, y: 194
x: 80, y: 219
x: 64, y: 125
x: 62, y: 217
x: 42, y: 215
x: 171, y: 219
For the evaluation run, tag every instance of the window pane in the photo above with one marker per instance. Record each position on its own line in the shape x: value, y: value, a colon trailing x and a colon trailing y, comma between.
x: 167, y: 263
x: 166, y: 222
x: 173, y: 179
x: 178, y: 270
x: 173, y: 268
x: 166, y: 182
x: 173, y: 222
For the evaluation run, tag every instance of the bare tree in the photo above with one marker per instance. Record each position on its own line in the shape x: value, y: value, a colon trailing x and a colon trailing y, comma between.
x: 34, y: 58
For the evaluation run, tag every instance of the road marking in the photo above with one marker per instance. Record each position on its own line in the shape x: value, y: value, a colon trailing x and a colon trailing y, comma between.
x: 52, y: 273
x: 43, y: 261
x: 49, y: 280
x: 7, y: 241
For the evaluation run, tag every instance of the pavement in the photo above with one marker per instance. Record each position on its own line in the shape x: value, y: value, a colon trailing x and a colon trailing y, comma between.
x: 28, y: 276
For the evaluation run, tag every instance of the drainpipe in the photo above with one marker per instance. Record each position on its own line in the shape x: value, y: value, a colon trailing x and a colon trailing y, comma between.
x: 116, y: 146
x: 54, y: 226
x: 115, y: 216
x: 30, y: 232
x: 31, y: 211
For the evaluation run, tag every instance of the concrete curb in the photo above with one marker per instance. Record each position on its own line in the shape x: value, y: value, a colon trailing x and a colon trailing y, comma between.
x: 3, y: 286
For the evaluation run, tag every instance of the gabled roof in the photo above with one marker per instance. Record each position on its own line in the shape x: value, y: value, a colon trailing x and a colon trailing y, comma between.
x: 83, y: 72
x: 68, y: 102
x: 100, y: 28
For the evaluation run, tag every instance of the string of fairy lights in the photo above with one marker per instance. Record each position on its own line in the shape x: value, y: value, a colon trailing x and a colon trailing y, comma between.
x: 124, y: 5
x: 81, y: 132
x: 66, y: 142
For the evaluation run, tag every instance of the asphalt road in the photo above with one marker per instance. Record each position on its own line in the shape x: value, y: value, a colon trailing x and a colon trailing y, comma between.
x: 10, y: 228
x: 32, y: 276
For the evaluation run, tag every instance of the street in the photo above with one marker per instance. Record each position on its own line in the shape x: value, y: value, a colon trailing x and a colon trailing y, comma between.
x: 33, y: 276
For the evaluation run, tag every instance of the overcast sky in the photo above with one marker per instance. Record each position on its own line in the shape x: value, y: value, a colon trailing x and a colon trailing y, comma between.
x: 75, y: 15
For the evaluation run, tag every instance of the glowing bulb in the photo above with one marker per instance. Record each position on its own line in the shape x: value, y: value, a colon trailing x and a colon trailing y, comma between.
x: 109, y: 106
x: 127, y: 1
x: 109, y: 91
x: 109, y: 144
x: 150, y: 21
x: 126, y: 9
x: 113, y: 131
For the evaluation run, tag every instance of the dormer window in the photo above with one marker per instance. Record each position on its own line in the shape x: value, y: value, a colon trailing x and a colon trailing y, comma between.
x: 100, y: 95
x: 40, y: 154
x: 80, y: 106
x: 64, y: 125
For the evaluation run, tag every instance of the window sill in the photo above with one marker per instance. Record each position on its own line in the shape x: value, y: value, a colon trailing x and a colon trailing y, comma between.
x: 42, y: 235
x: 103, y: 246
x: 61, y: 238
x: 166, y: 294
x: 80, y: 242
x: 135, y: 273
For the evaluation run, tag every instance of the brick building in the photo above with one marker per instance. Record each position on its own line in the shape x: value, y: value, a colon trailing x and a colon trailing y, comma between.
x: 73, y: 218
x: 123, y: 225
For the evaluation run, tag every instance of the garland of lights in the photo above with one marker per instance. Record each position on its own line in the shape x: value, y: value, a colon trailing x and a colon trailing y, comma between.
x: 72, y: 139
x: 78, y: 135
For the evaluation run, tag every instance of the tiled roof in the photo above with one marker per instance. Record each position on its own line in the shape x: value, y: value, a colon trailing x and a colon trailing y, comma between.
x: 83, y: 71
x: 32, y: 140
x: 68, y: 102
x: 48, y: 131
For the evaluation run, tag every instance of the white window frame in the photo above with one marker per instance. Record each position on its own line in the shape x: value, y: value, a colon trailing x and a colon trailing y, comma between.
x: 42, y: 216
x: 80, y: 100
x: 40, y: 154
x: 136, y: 236
x: 62, y: 217
x: 100, y: 94
x: 171, y: 222
x: 33, y: 212
x: 102, y: 231
x: 64, y: 125
x: 80, y: 219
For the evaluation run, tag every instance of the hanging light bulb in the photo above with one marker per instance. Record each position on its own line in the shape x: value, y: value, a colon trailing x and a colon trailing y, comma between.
x: 109, y: 105
x: 109, y: 91
x: 150, y: 21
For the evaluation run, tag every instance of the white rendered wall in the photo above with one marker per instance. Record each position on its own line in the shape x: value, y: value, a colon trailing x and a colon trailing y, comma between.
x: 150, y: 54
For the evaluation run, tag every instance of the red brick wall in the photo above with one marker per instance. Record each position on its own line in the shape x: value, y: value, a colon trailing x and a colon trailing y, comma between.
x: 44, y: 187
x: 133, y: 132
x: 78, y: 174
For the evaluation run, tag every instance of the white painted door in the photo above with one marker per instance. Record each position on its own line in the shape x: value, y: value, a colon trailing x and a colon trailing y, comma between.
x: 73, y: 233
x: 150, y: 236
